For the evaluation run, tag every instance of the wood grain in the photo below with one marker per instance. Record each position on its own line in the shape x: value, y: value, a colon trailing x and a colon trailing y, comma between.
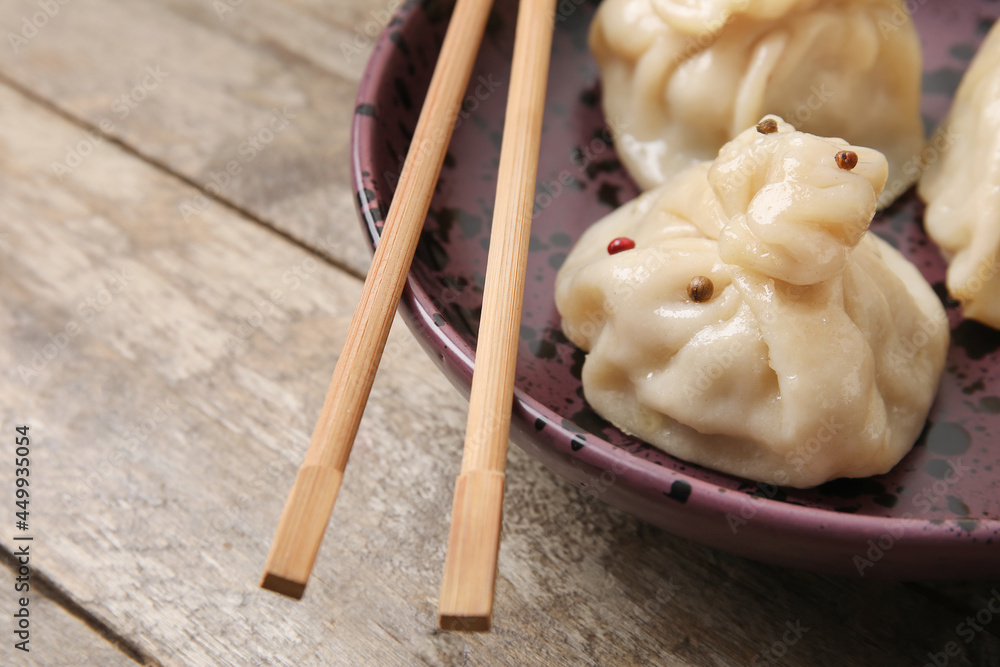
x: 212, y: 103
x: 173, y: 420
x: 166, y: 457
x: 57, y: 638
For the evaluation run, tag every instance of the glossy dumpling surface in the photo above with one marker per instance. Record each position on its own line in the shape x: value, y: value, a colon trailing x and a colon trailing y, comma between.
x: 817, y: 355
x: 961, y: 186
x: 682, y: 77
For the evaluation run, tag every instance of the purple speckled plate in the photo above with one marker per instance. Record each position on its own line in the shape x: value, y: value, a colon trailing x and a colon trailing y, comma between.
x: 936, y: 515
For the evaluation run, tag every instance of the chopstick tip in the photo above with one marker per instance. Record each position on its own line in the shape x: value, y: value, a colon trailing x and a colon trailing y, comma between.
x: 282, y: 585
x: 462, y: 623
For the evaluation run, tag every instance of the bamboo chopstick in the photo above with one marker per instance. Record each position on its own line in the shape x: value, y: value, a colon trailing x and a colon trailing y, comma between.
x: 471, y: 564
x: 310, y: 502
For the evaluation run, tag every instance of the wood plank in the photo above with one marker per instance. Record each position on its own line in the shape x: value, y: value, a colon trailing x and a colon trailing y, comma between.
x: 169, y: 427
x: 196, y: 93
x: 335, y: 36
x: 56, y: 636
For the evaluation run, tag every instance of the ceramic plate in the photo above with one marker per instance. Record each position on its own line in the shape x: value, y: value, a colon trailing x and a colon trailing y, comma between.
x: 936, y: 515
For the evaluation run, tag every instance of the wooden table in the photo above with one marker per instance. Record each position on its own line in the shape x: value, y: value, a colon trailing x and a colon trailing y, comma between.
x: 170, y: 356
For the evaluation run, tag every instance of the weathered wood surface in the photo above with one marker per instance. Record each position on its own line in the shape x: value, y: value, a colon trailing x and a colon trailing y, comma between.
x: 169, y: 427
x: 193, y: 91
x: 59, y: 639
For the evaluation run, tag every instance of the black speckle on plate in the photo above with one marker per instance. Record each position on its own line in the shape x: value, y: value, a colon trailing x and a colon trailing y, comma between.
x: 400, y: 43
x: 607, y: 194
x: 679, y: 491
x: 937, y: 468
x: 851, y: 488
x: 956, y: 506
x: 978, y: 340
x: 403, y: 93
x: 969, y: 526
x: 888, y: 500
x: 948, y: 439
x: 543, y: 349
x: 974, y: 387
x: 943, y: 81
x: 942, y: 294
x: 963, y: 51
x: 990, y: 404
x: 611, y: 166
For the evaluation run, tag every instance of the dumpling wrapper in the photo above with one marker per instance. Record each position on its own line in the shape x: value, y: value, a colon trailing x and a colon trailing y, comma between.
x: 682, y: 77
x: 818, y: 355
x: 961, y: 186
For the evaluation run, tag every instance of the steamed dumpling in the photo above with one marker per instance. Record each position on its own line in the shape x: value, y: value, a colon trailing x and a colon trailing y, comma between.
x: 683, y: 77
x: 962, y: 187
x: 817, y: 354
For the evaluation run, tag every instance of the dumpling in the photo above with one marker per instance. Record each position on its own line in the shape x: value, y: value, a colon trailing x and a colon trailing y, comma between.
x: 682, y: 77
x: 740, y: 317
x: 961, y: 186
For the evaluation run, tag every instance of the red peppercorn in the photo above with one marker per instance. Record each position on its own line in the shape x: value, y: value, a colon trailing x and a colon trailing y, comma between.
x: 620, y: 244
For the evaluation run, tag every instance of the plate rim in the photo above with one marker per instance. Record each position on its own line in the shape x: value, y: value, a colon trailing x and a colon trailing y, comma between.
x: 643, y: 477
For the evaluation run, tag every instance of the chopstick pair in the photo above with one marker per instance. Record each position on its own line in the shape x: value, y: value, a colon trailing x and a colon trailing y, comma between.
x: 466, y: 600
